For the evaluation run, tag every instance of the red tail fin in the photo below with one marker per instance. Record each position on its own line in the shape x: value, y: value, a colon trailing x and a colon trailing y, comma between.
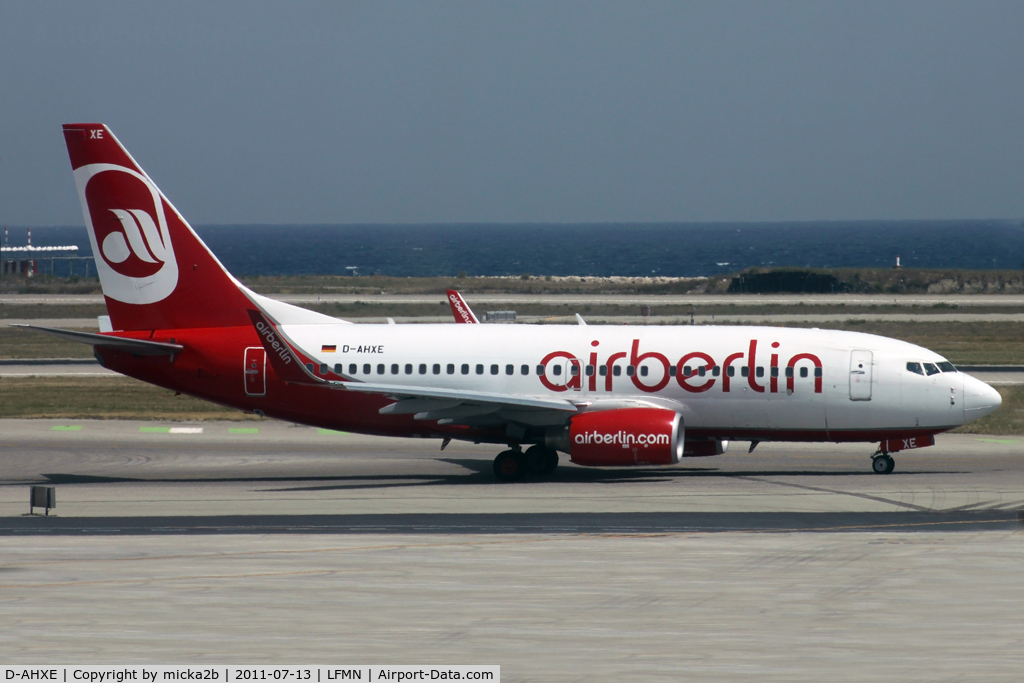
x: 460, y: 309
x: 155, y: 271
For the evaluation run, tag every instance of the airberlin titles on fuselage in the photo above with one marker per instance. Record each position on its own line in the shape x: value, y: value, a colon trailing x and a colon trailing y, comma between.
x: 695, y: 382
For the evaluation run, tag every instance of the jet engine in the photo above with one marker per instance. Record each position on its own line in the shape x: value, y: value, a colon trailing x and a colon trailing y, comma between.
x: 700, y: 449
x: 624, y: 437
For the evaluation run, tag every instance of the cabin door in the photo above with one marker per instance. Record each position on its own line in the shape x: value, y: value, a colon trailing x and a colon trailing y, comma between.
x: 860, y: 375
x: 255, y: 371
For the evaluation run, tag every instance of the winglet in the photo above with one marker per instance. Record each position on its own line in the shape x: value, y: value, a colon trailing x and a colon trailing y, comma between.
x: 286, y: 362
x: 460, y: 309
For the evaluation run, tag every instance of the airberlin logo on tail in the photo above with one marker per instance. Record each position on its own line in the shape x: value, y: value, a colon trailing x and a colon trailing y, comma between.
x: 459, y: 308
x: 272, y: 343
x: 127, y: 225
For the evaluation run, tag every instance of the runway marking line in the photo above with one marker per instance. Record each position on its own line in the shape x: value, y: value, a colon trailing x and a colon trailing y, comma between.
x: 1010, y: 441
x: 186, y: 430
x: 154, y: 430
x: 329, y: 432
x: 66, y: 428
x: 243, y: 430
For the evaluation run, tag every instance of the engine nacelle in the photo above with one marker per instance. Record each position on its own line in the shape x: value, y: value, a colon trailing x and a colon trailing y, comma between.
x: 700, y: 449
x: 626, y: 437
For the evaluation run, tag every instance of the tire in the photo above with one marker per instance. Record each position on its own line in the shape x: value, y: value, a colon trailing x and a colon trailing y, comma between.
x: 883, y: 464
x: 509, y: 466
x: 551, y: 462
x: 541, y: 461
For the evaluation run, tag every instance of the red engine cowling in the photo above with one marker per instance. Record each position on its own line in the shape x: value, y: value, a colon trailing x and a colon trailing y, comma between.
x: 626, y: 437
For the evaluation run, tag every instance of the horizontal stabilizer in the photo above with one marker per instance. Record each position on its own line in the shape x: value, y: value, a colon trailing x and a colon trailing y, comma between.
x: 139, y: 347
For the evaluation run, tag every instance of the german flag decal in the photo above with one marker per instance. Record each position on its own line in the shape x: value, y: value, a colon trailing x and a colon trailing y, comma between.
x: 328, y: 348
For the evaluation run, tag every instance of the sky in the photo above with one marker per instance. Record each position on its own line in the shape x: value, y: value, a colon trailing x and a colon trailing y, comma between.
x: 554, y: 111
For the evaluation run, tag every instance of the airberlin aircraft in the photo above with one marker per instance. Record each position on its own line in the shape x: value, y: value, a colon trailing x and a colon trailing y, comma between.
x: 605, y: 396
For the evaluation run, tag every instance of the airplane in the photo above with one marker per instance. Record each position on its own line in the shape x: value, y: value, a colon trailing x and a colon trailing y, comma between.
x: 605, y: 396
x: 464, y: 315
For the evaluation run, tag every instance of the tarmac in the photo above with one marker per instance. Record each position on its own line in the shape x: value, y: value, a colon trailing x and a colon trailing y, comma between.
x: 265, y: 542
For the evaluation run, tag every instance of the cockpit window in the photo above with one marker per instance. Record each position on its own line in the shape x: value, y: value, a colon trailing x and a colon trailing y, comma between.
x: 931, y: 369
x: 946, y: 366
x: 915, y: 368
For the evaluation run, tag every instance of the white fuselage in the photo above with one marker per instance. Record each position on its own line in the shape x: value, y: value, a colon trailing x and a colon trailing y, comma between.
x: 727, y: 381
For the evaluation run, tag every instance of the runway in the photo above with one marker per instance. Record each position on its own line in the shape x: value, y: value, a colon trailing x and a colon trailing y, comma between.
x: 273, y: 477
x: 270, y: 543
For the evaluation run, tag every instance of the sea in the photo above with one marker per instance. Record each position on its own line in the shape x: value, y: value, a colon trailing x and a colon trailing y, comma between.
x: 593, y: 249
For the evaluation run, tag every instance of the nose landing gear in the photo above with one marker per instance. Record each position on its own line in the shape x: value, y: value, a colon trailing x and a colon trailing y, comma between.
x: 514, y: 465
x: 882, y: 463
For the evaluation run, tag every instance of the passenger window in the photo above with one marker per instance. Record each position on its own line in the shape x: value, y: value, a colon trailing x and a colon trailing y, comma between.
x: 337, y: 368
x: 915, y: 368
x: 380, y: 368
x: 524, y: 370
x: 423, y: 368
x: 617, y: 370
x: 556, y: 370
x: 803, y: 372
x: 789, y: 371
x: 465, y: 368
x: 931, y: 369
x: 574, y: 370
x: 630, y: 370
x: 323, y: 368
x: 408, y: 368
x: 775, y: 371
x: 946, y: 366
x: 687, y: 371
x: 701, y: 370
x: 394, y: 368
x: 602, y: 370
x: 510, y: 369
x: 589, y: 370
x: 745, y: 371
x: 366, y: 369
x: 672, y: 370
x: 817, y: 372
x: 309, y: 366
x: 715, y: 371
x: 353, y: 368
x: 450, y: 369
x: 494, y: 368
x: 730, y: 371
x: 436, y: 369
x: 479, y: 368
x: 643, y: 370
x: 540, y: 370
x: 760, y: 372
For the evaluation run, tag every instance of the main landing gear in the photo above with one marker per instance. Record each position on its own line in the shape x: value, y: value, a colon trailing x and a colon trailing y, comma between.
x: 514, y: 465
x: 882, y: 463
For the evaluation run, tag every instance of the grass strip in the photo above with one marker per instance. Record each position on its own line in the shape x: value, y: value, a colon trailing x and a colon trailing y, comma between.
x: 115, y: 397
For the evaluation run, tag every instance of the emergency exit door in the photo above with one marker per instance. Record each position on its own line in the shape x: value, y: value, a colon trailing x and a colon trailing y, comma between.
x: 860, y: 375
x: 255, y: 371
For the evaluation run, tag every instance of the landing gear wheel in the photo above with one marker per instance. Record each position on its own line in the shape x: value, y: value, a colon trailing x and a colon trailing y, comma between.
x: 510, y: 466
x: 883, y: 464
x: 540, y: 460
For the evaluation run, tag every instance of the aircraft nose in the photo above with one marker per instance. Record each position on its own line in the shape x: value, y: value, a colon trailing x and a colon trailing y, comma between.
x: 979, y: 399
